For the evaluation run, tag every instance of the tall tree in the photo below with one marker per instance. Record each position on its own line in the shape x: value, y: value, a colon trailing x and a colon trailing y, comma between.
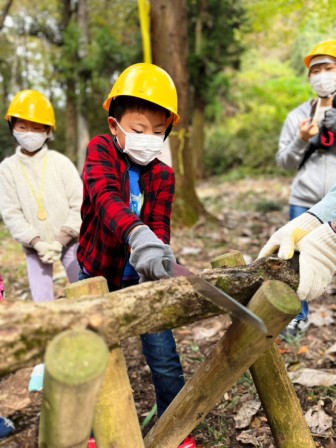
x: 214, y: 46
x: 169, y: 39
x: 4, y: 12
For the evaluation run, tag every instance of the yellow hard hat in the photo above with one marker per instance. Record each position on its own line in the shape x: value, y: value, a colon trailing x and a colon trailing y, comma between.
x: 33, y: 106
x: 327, y: 48
x: 148, y: 82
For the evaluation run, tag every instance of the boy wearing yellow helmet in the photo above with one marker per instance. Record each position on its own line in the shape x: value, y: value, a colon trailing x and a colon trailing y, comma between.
x: 128, y: 195
x: 308, y: 143
x: 40, y: 194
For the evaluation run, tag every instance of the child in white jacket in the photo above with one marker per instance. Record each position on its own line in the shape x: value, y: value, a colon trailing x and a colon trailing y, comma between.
x: 40, y: 194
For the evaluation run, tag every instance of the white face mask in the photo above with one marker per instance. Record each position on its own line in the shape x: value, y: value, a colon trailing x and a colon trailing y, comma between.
x: 142, y: 148
x: 324, y: 83
x: 31, y: 141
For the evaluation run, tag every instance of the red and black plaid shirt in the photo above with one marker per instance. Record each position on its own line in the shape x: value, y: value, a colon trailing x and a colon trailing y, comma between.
x: 107, y: 218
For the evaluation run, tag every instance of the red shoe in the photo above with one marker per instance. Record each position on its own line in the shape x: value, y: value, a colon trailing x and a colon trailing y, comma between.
x: 92, y: 443
x: 189, y: 442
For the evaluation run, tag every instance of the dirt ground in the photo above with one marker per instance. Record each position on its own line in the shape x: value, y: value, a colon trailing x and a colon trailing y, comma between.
x: 249, y: 211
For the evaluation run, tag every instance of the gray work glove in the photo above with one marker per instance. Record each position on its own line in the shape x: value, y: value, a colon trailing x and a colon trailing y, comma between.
x: 148, y: 252
x: 329, y: 120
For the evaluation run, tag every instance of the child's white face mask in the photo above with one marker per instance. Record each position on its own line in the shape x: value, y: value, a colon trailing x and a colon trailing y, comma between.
x: 142, y: 148
x: 31, y: 141
x: 324, y: 83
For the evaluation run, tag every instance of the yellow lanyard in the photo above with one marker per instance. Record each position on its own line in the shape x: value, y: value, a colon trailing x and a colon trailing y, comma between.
x: 41, y: 213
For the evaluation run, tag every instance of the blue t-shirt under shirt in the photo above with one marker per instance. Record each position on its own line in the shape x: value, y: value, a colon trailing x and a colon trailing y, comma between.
x: 136, y: 201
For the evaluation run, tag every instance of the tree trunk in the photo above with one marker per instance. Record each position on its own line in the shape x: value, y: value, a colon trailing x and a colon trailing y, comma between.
x: 5, y: 12
x: 198, y: 102
x: 71, y: 120
x: 170, y: 51
x: 26, y: 328
x: 70, y: 93
x: 198, y: 138
x: 83, y: 134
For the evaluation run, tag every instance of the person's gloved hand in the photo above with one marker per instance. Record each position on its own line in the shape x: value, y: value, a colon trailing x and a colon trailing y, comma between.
x: 329, y: 120
x: 147, y: 252
x: 286, y: 238
x: 317, y: 261
x: 43, y: 251
x: 56, y: 250
x: 48, y: 252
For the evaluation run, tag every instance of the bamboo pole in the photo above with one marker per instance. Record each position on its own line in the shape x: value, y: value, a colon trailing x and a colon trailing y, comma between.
x: 276, y: 391
x: 238, y: 349
x: 115, y: 422
x: 75, y: 362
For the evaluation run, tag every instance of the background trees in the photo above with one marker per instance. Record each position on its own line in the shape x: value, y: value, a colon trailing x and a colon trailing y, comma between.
x: 237, y: 64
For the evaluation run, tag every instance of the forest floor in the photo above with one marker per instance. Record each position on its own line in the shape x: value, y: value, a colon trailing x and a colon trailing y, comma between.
x: 249, y: 211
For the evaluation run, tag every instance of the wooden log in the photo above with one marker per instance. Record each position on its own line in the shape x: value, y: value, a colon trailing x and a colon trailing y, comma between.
x: 280, y: 402
x: 230, y: 259
x: 277, y: 395
x: 26, y: 328
x: 90, y: 287
x: 75, y: 362
x: 115, y: 422
x: 232, y: 356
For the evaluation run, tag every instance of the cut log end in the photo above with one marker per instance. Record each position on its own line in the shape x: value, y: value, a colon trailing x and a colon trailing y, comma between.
x: 90, y: 287
x: 230, y: 259
x: 282, y: 297
x: 76, y: 357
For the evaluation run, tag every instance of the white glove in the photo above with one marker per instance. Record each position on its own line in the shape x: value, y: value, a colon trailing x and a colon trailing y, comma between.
x: 43, y: 249
x: 48, y: 252
x: 317, y: 261
x: 57, y: 248
x: 286, y: 238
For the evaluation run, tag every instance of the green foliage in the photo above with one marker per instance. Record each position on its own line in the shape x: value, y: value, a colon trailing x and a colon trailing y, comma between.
x: 266, y: 206
x: 246, y: 133
x: 212, y: 42
x: 69, y: 53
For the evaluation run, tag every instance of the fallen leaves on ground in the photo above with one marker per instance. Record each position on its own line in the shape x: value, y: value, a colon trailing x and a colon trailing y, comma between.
x: 248, y: 217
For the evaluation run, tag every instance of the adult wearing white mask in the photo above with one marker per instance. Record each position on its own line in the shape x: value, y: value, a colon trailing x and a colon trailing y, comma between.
x: 308, y: 144
x: 40, y: 194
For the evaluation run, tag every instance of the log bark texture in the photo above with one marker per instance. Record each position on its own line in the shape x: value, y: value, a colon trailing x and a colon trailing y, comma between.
x: 276, y: 391
x: 74, y: 369
x: 115, y: 421
x: 237, y: 350
x: 280, y: 402
x: 26, y: 328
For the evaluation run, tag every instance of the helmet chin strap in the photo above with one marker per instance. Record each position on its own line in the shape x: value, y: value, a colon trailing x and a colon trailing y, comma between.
x: 168, y: 130
x: 10, y: 126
